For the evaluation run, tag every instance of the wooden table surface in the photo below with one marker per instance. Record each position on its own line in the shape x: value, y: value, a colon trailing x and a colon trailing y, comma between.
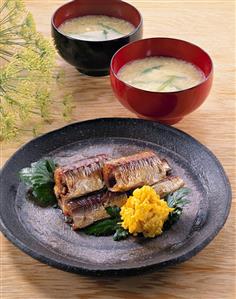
x: 211, y: 274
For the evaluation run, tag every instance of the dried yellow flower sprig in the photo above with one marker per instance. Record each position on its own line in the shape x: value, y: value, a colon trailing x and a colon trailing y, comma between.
x: 27, y: 71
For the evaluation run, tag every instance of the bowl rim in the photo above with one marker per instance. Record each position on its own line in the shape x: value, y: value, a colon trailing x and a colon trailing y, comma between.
x: 136, y: 29
x: 112, y: 71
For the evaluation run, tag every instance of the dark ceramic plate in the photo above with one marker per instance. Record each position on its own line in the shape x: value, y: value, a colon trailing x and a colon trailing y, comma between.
x: 42, y: 233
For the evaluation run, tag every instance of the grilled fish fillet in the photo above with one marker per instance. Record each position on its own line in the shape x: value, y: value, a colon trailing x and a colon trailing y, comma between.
x: 126, y: 173
x: 168, y: 185
x: 79, y: 178
x: 87, y: 210
x: 166, y: 166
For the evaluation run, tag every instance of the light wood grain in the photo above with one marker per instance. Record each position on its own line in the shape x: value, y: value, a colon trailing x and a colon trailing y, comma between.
x: 211, y: 274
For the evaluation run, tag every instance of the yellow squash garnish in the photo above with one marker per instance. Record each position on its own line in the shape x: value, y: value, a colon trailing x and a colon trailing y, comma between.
x: 144, y: 212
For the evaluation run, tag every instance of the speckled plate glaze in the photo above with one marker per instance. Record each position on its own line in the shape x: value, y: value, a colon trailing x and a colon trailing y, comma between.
x: 43, y: 234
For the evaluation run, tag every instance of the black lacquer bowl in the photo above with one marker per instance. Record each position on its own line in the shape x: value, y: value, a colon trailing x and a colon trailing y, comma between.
x: 43, y: 234
x: 93, y: 57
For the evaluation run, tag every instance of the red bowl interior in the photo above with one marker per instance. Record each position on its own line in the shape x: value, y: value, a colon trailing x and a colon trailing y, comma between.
x: 112, y: 8
x: 168, y: 107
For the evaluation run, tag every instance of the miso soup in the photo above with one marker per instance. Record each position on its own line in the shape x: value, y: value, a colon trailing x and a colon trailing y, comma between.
x: 161, y: 74
x: 96, y: 28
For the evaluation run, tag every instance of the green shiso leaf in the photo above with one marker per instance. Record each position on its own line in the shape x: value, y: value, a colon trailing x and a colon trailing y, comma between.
x: 114, y: 211
x: 103, y: 227
x: 109, y: 226
x: 120, y: 234
x: 176, y: 200
x: 39, y: 178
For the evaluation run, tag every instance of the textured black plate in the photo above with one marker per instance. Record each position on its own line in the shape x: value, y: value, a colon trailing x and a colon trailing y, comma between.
x: 43, y: 234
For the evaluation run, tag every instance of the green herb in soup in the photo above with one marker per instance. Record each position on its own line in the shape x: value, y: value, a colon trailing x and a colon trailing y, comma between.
x: 110, y: 28
x: 150, y: 69
x: 161, y: 74
x: 170, y: 82
x: 96, y: 28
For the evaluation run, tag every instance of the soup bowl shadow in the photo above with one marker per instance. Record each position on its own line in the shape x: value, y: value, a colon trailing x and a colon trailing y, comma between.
x: 93, y: 57
x: 165, y: 107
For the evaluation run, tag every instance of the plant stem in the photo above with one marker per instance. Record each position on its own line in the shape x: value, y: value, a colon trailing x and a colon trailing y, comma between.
x: 9, y: 29
x: 5, y: 52
x: 3, y: 6
x: 9, y: 42
x: 2, y: 89
x: 3, y: 57
x: 8, y: 16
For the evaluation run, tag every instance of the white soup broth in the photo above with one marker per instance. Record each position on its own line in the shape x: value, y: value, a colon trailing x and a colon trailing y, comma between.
x: 161, y: 74
x: 96, y: 28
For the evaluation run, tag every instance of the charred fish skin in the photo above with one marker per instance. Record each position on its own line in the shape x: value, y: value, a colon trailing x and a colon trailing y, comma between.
x: 93, y: 208
x: 130, y: 172
x: 79, y: 178
x: 168, y: 185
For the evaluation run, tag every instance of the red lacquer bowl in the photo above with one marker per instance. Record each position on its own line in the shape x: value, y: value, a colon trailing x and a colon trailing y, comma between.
x: 165, y: 107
